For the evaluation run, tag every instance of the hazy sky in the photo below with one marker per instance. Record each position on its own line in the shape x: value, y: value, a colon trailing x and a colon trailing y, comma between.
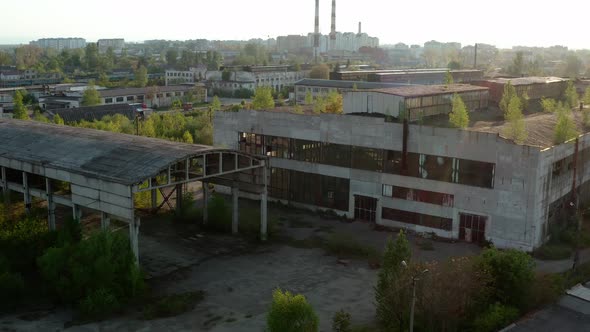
x: 503, y: 23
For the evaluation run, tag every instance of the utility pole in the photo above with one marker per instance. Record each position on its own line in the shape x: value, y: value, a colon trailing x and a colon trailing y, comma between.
x: 413, y: 303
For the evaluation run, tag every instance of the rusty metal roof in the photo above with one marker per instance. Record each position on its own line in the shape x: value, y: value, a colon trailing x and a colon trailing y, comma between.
x: 527, y: 80
x: 120, y: 158
x: 429, y: 90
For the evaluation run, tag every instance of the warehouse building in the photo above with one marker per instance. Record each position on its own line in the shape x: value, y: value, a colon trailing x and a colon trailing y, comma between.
x: 409, y: 76
x: 318, y: 88
x: 535, y: 87
x: 471, y: 185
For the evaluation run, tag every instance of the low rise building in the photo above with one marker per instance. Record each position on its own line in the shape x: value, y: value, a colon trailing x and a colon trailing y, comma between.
x: 409, y: 76
x: 318, y: 88
x: 154, y: 96
x: 473, y: 185
x: 535, y: 87
x: 252, y: 77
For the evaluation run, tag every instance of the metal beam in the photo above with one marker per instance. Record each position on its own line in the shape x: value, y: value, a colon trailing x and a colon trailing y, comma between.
x: 50, y: 205
x: 26, y: 194
x: 263, y: 206
x: 138, y: 190
x: 235, y: 195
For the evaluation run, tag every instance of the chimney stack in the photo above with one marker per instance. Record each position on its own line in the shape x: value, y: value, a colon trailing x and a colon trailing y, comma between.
x: 333, y: 28
x: 360, y: 28
x: 316, y: 36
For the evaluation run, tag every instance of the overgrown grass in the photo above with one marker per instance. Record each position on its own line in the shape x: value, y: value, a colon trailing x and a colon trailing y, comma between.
x: 346, y: 246
x: 172, y: 305
x: 426, y: 245
x: 551, y: 251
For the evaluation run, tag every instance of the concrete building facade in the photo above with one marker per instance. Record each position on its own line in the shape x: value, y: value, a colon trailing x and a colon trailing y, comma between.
x: 470, y: 185
x: 318, y: 88
x: 61, y: 43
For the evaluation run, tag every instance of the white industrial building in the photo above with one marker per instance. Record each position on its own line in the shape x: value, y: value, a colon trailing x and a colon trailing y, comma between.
x: 471, y: 185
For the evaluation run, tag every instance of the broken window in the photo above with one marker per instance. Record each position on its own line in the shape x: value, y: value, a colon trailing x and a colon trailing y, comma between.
x: 367, y: 158
x: 419, y: 219
x: 474, y: 173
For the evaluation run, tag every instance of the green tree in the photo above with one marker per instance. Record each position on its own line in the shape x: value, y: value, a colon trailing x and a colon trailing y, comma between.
x: 571, y: 95
x: 517, y: 67
x: 291, y: 313
x: 565, y: 128
x: 341, y: 322
x: 516, y: 128
x: 509, y: 92
x: 215, y: 107
x: 91, y: 97
x: 321, y: 71
x: 308, y: 98
x: 459, y: 116
x: 449, y: 78
x: 524, y: 100
x: 549, y: 105
x: 58, y: 120
x: 187, y: 137
x: 512, y: 274
x: 91, y: 57
x: 573, y: 66
x: 226, y: 75
x: 390, y: 298
x: 37, y: 116
x: 587, y: 96
x: 20, y: 111
x: 141, y: 77
x: 263, y: 99
x: 333, y: 103
x: 172, y: 57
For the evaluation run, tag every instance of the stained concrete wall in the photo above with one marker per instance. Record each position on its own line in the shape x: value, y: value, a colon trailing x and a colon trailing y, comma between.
x: 512, y: 206
x: 110, y: 197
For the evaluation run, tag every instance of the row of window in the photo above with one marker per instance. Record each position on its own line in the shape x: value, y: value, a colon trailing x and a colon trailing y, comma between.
x: 418, y: 195
x: 308, y: 188
x: 140, y: 97
x: 180, y: 74
x: 419, y: 219
x: 446, y: 169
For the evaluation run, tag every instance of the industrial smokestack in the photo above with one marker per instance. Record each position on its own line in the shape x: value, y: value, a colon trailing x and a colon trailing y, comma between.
x: 475, y: 57
x: 316, y: 32
x: 333, y: 28
x: 360, y: 31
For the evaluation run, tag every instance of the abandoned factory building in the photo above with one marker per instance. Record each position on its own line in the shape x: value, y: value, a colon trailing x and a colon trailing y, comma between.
x: 472, y: 184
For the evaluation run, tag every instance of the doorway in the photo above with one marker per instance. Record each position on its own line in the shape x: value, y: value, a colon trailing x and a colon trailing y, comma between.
x: 365, y: 208
x: 472, y: 227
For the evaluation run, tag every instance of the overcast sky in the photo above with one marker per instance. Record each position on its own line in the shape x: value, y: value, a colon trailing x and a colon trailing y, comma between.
x: 503, y: 23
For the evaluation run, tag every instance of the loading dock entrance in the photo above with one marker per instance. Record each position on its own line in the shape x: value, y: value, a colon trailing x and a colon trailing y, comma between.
x: 365, y: 208
x: 472, y: 227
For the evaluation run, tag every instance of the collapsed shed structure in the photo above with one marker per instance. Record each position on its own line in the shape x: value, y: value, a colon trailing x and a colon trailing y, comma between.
x: 104, y: 171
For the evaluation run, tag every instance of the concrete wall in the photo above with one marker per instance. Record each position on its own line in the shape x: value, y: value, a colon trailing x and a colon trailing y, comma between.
x: 511, y: 206
x: 371, y: 102
x: 112, y: 198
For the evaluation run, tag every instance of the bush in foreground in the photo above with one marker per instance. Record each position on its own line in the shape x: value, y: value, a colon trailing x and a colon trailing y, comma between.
x: 97, y: 274
x: 496, y: 317
x: 291, y: 313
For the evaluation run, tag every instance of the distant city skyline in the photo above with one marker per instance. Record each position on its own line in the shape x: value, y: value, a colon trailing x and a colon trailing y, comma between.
x: 502, y: 23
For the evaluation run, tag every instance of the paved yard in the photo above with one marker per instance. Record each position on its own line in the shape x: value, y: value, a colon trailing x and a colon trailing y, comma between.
x: 238, y: 276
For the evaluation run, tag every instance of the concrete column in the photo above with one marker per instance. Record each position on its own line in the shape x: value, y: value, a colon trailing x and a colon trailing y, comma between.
x: 105, y: 221
x: 154, y: 198
x: 5, y: 191
x: 134, y: 237
x: 26, y: 194
x: 205, y: 187
x: 178, y: 198
x: 234, y: 194
x: 263, y: 206
x: 77, y: 212
x: 50, y: 205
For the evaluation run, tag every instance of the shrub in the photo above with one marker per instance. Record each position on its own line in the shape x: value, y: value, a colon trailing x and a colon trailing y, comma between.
x: 12, y: 289
x: 291, y: 313
x: 219, y: 214
x: 511, y: 273
x: 554, y: 252
x: 496, y: 317
x: 85, y: 272
x: 172, y: 305
x: 546, y: 289
x: 99, y: 304
x: 344, y: 245
x: 341, y: 322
